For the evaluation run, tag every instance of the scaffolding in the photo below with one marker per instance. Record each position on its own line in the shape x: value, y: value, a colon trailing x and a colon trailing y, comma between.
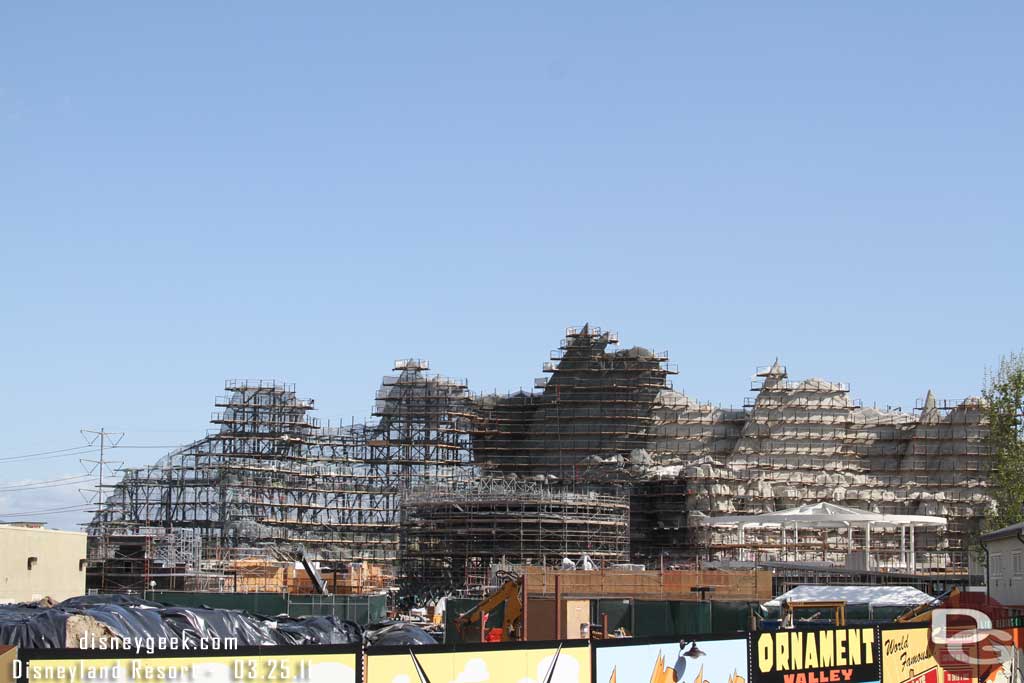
x: 604, y: 436
x: 271, y: 485
x: 452, y: 536
x: 593, y: 408
x: 422, y: 436
x: 805, y: 442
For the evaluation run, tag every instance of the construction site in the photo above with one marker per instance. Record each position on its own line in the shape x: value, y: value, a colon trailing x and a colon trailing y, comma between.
x: 602, y: 465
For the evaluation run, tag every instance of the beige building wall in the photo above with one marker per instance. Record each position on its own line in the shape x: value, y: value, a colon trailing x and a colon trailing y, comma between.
x: 1006, y: 565
x: 57, y: 571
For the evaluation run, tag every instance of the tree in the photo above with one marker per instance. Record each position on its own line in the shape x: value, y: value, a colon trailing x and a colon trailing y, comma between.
x: 1004, y: 398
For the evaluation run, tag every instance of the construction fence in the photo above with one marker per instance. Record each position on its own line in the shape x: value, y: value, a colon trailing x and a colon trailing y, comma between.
x: 857, y: 654
x: 639, y: 618
x: 362, y: 609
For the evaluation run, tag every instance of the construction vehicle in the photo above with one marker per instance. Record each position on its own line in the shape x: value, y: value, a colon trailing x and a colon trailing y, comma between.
x: 836, y: 607
x: 923, y: 612
x: 508, y: 594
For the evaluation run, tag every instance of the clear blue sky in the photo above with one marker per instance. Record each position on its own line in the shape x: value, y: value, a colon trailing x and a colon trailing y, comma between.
x: 307, y: 192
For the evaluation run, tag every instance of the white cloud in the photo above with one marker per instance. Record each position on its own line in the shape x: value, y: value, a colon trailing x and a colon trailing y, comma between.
x: 331, y: 672
x: 37, y: 495
x: 475, y: 671
x: 567, y: 670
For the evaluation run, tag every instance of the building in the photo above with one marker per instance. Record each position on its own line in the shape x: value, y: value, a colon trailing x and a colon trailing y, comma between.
x: 603, y: 437
x: 36, y: 563
x: 1005, y: 550
x: 450, y: 536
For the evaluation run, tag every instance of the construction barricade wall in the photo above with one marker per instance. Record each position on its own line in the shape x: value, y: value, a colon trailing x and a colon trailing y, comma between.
x: 310, y: 664
x: 856, y: 654
x: 550, y: 662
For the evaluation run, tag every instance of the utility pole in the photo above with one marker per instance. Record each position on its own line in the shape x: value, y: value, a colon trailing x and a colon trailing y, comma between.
x: 106, y: 440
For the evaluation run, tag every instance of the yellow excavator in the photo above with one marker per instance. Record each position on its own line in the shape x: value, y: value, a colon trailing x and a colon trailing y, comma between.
x: 509, y: 594
x: 923, y: 613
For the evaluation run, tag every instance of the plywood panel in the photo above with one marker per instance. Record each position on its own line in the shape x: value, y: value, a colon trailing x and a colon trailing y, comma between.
x: 577, y: 614
x: 541, y: 619
x: 670, y: 585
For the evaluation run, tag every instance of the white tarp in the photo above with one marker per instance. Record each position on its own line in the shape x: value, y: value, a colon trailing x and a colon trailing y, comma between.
x: 823, y: 515
x: 876, y: 596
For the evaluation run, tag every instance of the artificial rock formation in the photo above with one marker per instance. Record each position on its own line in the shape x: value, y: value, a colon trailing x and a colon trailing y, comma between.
x: 272, y: 482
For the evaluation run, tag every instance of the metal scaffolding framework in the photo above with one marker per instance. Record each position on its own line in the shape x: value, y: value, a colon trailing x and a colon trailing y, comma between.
x: 594, y: 406
x: 452, y: 536
x: 603, y: 458
x: 272, y: 484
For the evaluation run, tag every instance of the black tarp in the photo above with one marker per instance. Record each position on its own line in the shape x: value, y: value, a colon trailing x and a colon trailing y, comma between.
x: 397, y: 633
x: 111, y: 599
x: 319, y: 631
x: 30, y: 626
x: 33, y: 626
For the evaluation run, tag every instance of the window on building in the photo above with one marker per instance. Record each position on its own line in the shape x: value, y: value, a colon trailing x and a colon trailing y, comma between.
x: 996, y: 570
x: 1018, y: 563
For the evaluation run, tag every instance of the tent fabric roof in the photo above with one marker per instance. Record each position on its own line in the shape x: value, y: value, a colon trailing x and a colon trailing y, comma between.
x: 876, y: 596
x: 822, y: 515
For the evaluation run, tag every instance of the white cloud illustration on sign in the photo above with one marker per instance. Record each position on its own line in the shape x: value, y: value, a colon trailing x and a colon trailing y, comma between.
x: 567, y: 669
x: 475, y: 671
x: 330, y: 672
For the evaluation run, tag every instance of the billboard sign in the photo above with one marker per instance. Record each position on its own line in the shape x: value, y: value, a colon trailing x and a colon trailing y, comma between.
x: 907, y: 658
x: 833, y: 655
x: 686, y: 661
x: 255, y: 665
x: 491, y: 663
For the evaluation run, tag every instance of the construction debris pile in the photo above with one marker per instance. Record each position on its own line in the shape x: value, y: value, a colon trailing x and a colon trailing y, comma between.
x: 603, y: 459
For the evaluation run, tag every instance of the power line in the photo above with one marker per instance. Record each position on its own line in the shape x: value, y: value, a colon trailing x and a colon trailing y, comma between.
x: 99, y: 514
x: 50, y: 483
x: 58, y: 450
x: 54, y: 457
x: 64, y: 453
x: 50, y: 511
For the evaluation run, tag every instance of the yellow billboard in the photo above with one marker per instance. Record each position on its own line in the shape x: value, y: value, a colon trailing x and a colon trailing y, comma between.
x: 706, y: 661
x: 338, y: 667
x: 907, y: 658
x: 560, y: 664
x: 831, y: 655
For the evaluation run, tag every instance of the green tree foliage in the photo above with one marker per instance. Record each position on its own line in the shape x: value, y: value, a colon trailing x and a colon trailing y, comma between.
x: 1004, y: 396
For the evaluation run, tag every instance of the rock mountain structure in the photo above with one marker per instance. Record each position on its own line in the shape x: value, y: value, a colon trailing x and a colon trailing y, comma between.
x: 604, y: 459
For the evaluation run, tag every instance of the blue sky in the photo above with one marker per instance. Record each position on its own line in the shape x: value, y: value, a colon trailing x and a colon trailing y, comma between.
x: 197, y: 192
x: 636, y: 664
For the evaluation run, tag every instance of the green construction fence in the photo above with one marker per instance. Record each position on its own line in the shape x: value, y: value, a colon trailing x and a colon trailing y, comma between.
x: 362, y: 609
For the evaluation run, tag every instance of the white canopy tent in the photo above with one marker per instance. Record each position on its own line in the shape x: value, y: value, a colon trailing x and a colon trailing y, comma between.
x: 876, y: 596
x: 831, y: 516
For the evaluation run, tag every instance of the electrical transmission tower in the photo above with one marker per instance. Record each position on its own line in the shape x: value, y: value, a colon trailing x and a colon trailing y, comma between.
x: 97, y: 495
